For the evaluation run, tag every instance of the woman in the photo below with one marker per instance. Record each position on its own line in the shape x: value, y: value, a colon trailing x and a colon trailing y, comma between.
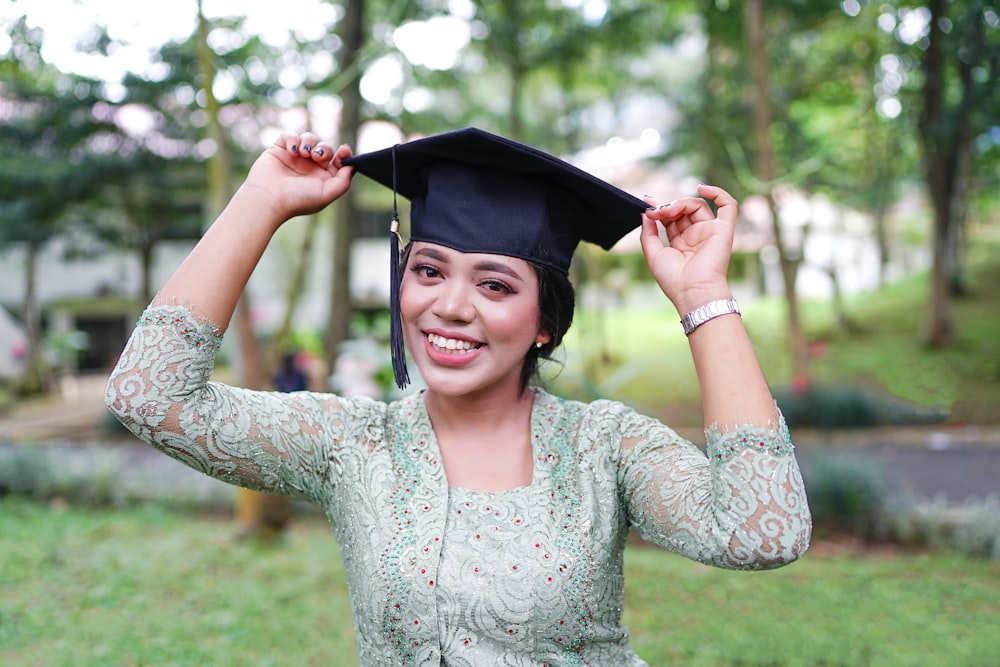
x: 481, y: 521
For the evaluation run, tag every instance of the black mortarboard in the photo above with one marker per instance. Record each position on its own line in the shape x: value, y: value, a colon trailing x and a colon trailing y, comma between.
x: 474, y: 191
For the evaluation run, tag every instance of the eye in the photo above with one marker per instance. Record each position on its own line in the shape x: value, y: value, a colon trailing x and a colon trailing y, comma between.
x: 425, y: 271
x: 497, y: 286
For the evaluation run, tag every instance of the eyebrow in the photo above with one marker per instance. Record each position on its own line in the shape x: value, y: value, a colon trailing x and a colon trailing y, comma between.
x: 491, y: 266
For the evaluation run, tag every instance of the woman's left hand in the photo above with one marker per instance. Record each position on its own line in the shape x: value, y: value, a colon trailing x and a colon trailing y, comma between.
x: 692, y: 269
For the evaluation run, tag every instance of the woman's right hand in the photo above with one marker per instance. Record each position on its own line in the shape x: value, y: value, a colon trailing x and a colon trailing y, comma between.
x: 298, y: 175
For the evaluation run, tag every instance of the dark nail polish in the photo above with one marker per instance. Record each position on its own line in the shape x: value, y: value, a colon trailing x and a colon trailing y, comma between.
x: 319, y: 152
x: 306, y: 148
x: 295, y: 148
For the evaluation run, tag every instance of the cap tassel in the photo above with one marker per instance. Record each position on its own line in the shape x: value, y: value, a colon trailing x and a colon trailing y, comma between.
x: 396, y: 348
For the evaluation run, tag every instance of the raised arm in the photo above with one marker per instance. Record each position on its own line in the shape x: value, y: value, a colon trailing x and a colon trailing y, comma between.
x: 296, y: 175
x: 160, y: 388
x: 692, y: 272
x: 745, y: 506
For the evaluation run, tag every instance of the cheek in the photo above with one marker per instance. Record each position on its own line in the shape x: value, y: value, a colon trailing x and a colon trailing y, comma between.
x: 516, y: 320
x: 409, y: 300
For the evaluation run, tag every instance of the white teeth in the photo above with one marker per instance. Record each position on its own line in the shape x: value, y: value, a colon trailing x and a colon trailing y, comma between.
x: 450, y: 344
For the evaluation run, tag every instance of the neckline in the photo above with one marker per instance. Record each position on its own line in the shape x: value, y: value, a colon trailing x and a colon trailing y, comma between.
x: 538, y: 471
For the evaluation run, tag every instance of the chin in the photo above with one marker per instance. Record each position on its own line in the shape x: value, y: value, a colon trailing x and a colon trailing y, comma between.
x: 462, y: 384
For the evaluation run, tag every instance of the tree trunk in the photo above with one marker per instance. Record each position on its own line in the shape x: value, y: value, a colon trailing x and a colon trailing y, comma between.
x: 220, y: 187
x: 767, y: 173
x: 516, y: 70
x: 260, y: 516
x: 352, y: 33
x: 33, y: 381
x: 946, y: 139
x: 146, y: 267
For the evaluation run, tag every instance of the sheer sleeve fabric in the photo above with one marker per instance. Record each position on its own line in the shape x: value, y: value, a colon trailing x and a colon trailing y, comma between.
x: 269, y: 441
x: 741, y: 506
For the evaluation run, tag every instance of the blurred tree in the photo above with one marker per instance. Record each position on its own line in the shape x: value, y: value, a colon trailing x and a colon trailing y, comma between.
x: 541, y: 73
x: 959, y: 99
x: 147, y: 199
x: 806, y: 121
x: 351, y: 32
x: 850, y: 115
x: 50, y: 142
x: 220, y: 189
x: 779, y: 153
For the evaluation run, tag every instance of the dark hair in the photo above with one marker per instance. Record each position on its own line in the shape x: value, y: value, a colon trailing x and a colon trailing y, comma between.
x: 556, y: 304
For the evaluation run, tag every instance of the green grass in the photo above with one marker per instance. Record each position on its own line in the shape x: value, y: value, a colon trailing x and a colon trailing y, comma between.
x: 638, y: 353
x: 145, y: 586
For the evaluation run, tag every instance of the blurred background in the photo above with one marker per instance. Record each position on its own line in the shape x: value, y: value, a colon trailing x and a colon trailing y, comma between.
x: 862, y: 139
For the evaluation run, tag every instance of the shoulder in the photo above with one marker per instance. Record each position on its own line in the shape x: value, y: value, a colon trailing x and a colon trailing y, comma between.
x: 601, y: 415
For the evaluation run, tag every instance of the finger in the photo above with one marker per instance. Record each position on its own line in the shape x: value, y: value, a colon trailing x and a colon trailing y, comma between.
x: 656, y: 208
x: 691, y: 209
x: 649, y: 237
x: 728, y: 207
x: 343, y: 151
x: 322, y: 153
x: 288, y: 141
x: 307, y: 142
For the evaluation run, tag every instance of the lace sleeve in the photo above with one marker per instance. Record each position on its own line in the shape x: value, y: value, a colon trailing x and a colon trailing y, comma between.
x: 267, y: 441
x: 743, y: 506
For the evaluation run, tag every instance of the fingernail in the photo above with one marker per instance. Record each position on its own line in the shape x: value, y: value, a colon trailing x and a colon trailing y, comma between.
x: 651, y: 208
x: 295, y: 148
x: 319, y: 152
x: 306, y: 148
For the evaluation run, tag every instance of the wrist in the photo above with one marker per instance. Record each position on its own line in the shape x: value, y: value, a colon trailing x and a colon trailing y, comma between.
x: 694, y: 298
x: 707, y: 312
x: 255, y: 203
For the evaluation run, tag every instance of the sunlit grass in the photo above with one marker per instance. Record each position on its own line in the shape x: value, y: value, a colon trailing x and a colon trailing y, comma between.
x: 145, y: 586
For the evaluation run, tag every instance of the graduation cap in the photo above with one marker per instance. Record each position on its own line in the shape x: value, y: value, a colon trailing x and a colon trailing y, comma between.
x: 474, y: 191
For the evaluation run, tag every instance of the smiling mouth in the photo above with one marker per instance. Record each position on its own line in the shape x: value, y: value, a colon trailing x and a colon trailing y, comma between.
x: 451, y: 345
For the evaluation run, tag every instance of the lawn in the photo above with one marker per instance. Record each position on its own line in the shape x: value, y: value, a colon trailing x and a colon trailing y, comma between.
x: 149, y: 586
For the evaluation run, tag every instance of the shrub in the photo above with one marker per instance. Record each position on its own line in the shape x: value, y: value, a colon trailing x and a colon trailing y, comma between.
x: 844, y: 406
x: 971, y: 528
x: 847, y: 494
x: 106, y: 476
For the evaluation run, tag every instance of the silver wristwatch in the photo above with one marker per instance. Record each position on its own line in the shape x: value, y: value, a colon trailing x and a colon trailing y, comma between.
x: 708, y: 311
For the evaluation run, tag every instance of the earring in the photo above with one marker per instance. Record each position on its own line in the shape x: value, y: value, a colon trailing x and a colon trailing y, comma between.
x: 538, y: 344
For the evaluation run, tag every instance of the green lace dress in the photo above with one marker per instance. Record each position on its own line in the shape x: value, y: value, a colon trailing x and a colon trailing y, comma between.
x: 440, y: 575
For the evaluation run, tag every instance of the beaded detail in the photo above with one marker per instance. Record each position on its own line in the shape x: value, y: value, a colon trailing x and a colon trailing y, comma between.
x: 775, y: 442
x: 199, y: 335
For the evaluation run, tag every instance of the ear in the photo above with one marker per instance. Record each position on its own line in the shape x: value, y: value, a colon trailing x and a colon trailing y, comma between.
x: 543, y: 338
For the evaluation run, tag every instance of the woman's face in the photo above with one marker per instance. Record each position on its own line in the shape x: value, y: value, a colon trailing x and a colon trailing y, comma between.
x: 469, y: 319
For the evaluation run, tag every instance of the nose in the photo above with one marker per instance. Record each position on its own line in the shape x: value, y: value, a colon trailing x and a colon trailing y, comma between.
x: 453, y: 302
